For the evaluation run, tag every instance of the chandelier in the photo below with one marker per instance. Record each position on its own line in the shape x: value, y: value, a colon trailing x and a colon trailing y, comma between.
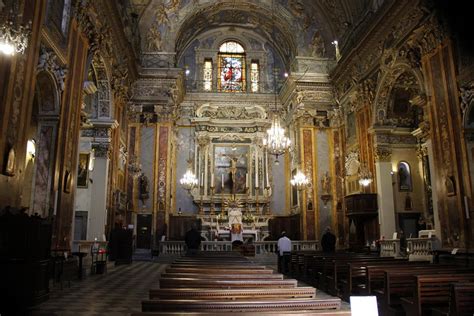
x: 300, y: 181
x: 13, y: 39
x: 189, y: 180
x: 276, y: 141
x: 365, y: 176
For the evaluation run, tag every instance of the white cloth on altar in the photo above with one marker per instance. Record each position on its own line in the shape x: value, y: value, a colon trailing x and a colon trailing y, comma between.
x: 235, y: 221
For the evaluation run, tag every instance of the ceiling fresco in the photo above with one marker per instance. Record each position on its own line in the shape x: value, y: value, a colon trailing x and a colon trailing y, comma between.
x: 293, y: 27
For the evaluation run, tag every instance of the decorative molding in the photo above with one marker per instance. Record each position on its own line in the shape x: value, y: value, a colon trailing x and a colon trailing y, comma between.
x: 48, y: 61
x: 382, y: 154
x: 231, y: 112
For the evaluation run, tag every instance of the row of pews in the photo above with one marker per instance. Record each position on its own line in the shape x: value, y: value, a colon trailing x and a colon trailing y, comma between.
x: 401, y: 287
x: 211, y: 283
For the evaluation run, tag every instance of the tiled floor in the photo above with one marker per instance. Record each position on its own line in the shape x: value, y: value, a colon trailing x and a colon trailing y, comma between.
x: 117, y: 292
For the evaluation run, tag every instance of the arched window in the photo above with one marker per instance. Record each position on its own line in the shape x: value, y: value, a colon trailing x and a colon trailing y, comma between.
x: 231, y: 67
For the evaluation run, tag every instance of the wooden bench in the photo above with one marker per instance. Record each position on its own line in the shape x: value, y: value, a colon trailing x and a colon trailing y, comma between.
x: 212, y: 271
x: 462, y: 299
x: 431, y: 291
x: 226, y: 284
x: 363, y: 276
x: 232, y: 294
x: 241, y: 276
x: 399, y: 284
x: 272, y: 313
x: 255, y: 305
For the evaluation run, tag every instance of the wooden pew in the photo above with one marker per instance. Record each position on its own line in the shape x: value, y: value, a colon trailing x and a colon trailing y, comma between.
x: 226, y: 284
x: 364, y: 275
x: 233, y: 294
x: 432, y: 290
x: 255, y: 305
x: 272, y: 313
x: 212, y: 270
x: 337, y: 269
x: 462, y: 299
x: 241, y: 276
x: 400, y: 283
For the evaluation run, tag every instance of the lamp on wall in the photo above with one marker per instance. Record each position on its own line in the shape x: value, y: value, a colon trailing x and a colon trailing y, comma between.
x: 31, y: 148
x: 276, y: 141
x: 13, y: 37
x: 365, y: 176
x: 300, y: 181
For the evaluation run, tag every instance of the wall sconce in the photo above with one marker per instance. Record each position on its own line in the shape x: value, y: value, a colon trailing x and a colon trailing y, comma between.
x: 91, y: 160
x: 365, y: 176
x: 31, y: 148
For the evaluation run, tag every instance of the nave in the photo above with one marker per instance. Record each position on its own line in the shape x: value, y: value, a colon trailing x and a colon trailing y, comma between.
x: 120, y: 292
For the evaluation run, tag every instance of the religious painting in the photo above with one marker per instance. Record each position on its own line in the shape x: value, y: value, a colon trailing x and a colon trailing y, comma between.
x: 231, y: 73
x: 230, y: 169
x: 350, y: 126
x: 83, y: 171
x: 404, y: 177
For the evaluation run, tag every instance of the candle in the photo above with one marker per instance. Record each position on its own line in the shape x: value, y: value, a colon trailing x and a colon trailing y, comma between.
x: 247, y: 180
x: 212, y: 179
x: 256, y: 168
x: 202, y: 179
x: 222, y: 181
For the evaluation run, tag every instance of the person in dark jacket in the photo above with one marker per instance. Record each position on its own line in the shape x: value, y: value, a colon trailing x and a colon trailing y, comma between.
x: 328, y: 242
x: 192, y: 240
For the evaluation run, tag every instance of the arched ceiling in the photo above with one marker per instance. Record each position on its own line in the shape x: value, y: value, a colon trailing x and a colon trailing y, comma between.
x: 296, y: 21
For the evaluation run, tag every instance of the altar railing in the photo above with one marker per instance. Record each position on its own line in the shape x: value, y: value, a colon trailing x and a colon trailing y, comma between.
x: 261, y: 247
x: 418, y: 249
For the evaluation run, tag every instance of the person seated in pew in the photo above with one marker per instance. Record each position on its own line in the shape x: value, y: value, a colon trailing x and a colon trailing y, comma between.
x: 284, y: 252
x: 328, y: 241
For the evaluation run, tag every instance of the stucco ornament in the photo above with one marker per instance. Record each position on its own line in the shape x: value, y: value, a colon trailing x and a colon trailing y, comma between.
x: 352, y: 163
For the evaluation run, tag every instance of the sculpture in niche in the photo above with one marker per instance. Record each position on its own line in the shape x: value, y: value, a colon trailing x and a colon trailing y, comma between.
x: 144, y: 188
x: 317, y: 45
x: 404, y: 177
x: 154, y: 39
x: 10, y: 167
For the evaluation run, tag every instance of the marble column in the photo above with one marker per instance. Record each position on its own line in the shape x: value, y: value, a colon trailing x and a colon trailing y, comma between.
x: 386, y: 205
x: 100, y: 174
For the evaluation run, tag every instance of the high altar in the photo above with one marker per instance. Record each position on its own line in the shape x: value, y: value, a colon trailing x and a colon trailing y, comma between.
x: 233, y: 170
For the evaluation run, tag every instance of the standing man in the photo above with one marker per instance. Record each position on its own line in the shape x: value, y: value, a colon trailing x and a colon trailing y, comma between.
x: 284, y: 253
x: 192, y: 240
x: 328, y: 242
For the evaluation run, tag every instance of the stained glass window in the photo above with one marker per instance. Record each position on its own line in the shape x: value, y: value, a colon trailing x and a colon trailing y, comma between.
x: 231, y: 47
x: 207, y: 75
x: 254, y: 76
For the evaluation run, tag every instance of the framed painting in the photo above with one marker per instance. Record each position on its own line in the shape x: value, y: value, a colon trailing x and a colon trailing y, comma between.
x: 83, y: 170
x: 226, y: 159
x: 404, y: 176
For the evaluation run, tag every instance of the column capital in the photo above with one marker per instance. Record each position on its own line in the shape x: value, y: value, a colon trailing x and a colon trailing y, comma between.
x: 101, y: 150
x: 382, y: 153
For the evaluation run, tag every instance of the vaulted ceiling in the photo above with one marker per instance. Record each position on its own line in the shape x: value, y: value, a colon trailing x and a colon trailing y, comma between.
x: 289, y: 25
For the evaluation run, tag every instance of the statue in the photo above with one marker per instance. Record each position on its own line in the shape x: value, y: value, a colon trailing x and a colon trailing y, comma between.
x: 144, y: 188
x: 154, y: 39
x: 317, y: 45
x: 326, y: 183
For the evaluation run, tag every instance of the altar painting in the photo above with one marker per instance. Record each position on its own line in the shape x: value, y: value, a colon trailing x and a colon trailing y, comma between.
x: 231, y: 73
x: 226, y: 158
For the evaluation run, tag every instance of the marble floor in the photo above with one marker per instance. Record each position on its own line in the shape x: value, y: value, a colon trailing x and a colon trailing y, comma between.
x: 118, y: 292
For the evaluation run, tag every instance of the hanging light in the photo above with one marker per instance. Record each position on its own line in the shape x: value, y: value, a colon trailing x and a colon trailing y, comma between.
x: 365, y: 176
x: 189, y: 180
x: 276, y: 141
x: 300, y: 181
x: 13, y: 39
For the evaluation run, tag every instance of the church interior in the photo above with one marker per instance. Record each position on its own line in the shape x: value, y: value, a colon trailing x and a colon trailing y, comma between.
x: 124, y: 124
